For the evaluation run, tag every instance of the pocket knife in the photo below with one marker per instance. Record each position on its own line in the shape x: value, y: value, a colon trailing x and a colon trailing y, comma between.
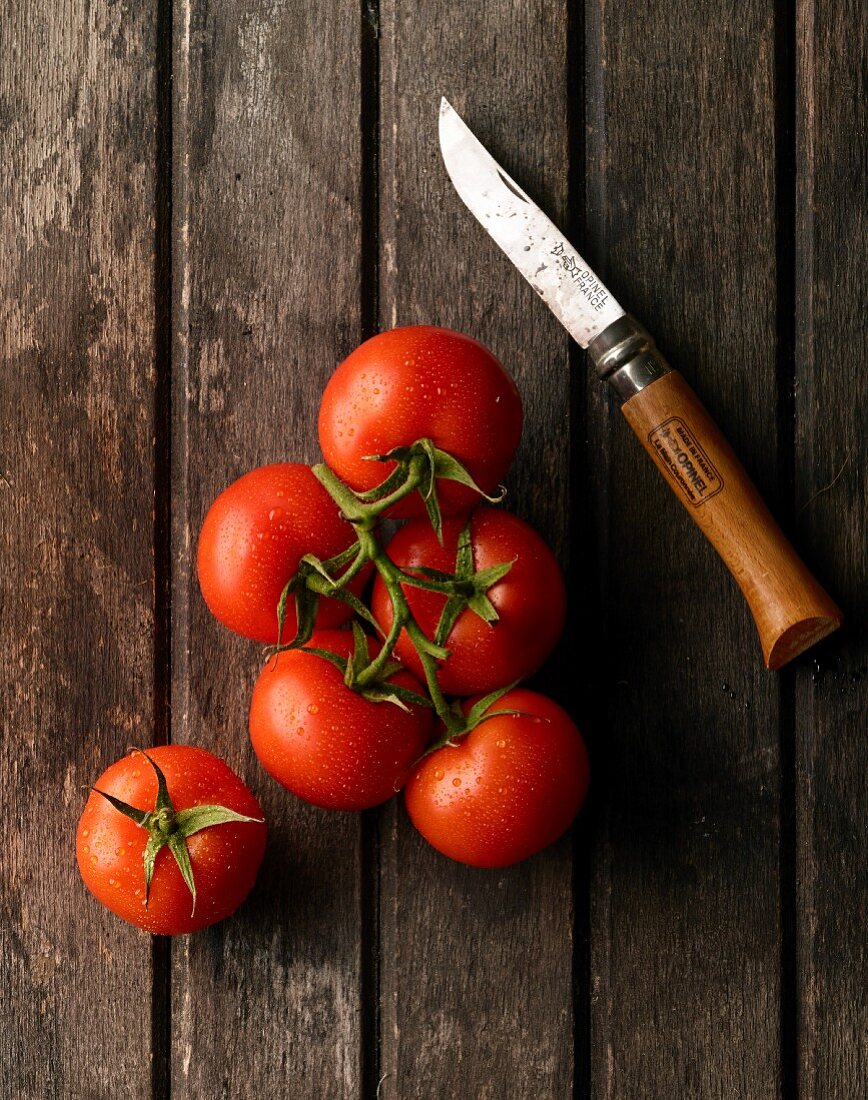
x: 791, y: 610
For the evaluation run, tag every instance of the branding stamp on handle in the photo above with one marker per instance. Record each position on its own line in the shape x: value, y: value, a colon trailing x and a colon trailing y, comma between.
x: 685, y: 461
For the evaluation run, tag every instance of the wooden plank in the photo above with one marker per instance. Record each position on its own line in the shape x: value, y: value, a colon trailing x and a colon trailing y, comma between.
x: 832, y: 517
x: 78, y: 142
x: 685, y: 881
x: 476, y: 978
x: 267, y: 292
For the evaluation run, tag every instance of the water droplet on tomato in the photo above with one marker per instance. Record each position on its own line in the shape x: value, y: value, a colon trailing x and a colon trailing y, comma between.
x: 85, y: 832
x: 312, y: 708
x: 456, y: 782
x: 275, y: 513
x: 86, y: 848
x: 300, y: 731
x: 501, y: 744
x: 438, y: 775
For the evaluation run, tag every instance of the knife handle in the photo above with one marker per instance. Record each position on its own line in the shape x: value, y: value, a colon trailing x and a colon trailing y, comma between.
x: 791, y: 610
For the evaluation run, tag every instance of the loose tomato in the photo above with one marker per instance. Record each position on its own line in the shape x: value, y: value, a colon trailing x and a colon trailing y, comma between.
x: 325, y: 742
x: 223, y: 858
x: 252, y: 539
x: 508, y: 789
x: 421, y: 382
x: 530, y: 600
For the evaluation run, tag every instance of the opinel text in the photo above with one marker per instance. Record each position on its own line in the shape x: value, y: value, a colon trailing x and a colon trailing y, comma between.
x: 686, y: 462
x: 593, y: 290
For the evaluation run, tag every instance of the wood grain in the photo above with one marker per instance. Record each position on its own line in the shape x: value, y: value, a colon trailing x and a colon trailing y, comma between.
x: 477, y: 965
x: 702, y: 934
x: 77, y: 322
x: 791, y: 610
x: 832, y: 518
x: 267, y: 298
x: 685, y: 928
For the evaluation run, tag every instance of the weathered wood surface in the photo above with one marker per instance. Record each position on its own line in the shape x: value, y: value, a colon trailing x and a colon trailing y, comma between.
x: 476, y: 983
x: 702, y: 933
x: 78, y: 140
x: 685, y: 928
x: 268, y: 147
x: 831, y: 711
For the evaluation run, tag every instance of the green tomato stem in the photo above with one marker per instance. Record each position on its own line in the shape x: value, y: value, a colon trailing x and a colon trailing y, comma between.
x: 355, y: 567
x: 417, y: 468
x: 363, y: 515
x: 453, y: 722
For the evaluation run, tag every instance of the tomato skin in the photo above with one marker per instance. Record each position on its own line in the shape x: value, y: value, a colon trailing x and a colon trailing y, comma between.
x: 225, y: 858
x: 507, y: 790
x: 324, y: 742
x: 530, y: 601
x: 421, y: 382
x: 251, y: 542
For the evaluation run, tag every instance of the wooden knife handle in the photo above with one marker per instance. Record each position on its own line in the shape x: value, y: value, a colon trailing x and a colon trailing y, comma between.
x: 791, y: 610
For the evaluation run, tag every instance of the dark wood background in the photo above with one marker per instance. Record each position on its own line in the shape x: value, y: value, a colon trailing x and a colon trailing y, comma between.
x: 207, y: 204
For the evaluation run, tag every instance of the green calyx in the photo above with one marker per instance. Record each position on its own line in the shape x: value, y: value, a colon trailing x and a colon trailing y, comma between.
x: 466, y: 723
x: 371, y: 678
x: 168, y: 827
x: 418, y: 468
x: 468, y: 588
x: 424, y: 464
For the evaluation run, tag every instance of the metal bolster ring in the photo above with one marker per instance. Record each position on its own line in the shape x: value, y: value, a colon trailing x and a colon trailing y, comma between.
x: 625, y: 356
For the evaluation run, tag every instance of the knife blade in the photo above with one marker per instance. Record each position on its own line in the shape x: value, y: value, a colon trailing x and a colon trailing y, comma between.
x: 790, y: 608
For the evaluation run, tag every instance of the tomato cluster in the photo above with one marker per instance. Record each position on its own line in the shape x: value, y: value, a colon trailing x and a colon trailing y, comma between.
x: 414, y: 687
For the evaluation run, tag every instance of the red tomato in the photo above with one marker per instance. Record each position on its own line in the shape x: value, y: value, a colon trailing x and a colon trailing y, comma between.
x: 323, y: 741
x: 509, y: 788
x: 415, y: 383
x: 252, y: 539
x: 224, y: 858
x: 530, y: 601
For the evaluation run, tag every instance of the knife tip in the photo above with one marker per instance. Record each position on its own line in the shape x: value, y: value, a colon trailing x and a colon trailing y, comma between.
x: 445, y: 105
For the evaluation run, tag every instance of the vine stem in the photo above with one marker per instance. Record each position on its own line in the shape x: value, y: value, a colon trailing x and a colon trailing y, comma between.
x: 364, y: 516
x: 361, y: 515
x: 402, y: 619
x: 453, y: 722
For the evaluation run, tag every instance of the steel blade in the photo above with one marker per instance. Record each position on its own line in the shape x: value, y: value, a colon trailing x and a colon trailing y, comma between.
x: 539, y: 250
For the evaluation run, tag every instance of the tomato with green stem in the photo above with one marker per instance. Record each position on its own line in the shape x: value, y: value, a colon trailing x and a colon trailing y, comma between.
x: 331, y: 745
x: 508, y: 614
x: 170, y: 839
x: 421, y: 382
x: 253, y: 539
x: 505, y: 790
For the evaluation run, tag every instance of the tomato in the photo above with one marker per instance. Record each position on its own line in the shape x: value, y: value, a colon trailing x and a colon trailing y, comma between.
x: 325, y: 742
x: 508, y: 789
x: 252, y: 539
x: 224, y: 858
x: 530, y: 601
x: 421, y: 382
